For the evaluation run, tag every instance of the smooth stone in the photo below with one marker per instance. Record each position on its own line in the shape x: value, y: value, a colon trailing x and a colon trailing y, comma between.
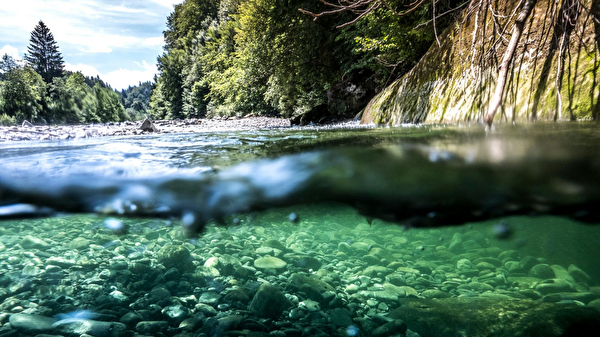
x: 274, y: 244
x: 79, y: 243
x: 345, y: 248
x: 77, y: 326
x: 578, y: 274
x: 269, y: 302
x: 477, y: 286
x: 209, y: 297
x: 376, y: 271
x: 542, y: 271
x: 32, y: 324
x: 435, y: 293
x: 131, y: 318
x: 31, y: 242
x: 555, y: 285
x: 205, y: 309
x: 561, y: 273
x: 264, y: 250
x: 360, y: 247
x: 485, y: 266
x: 151, y: 328
x: 408, y: 270
x: 269, y: 262
x: 61, y: 262
x: 352, y: 288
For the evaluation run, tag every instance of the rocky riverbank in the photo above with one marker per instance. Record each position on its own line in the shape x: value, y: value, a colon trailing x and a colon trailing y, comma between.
x: 330, y: 273
x: 27, y: 131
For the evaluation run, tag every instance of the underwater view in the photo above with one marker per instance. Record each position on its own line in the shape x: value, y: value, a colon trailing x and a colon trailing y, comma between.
x: 413, y: 231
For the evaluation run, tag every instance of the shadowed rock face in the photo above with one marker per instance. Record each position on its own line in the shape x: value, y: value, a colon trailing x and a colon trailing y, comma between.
x: 470, y: 316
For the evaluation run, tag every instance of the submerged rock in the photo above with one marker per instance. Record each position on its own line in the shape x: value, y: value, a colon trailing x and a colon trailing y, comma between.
x: 32, y: 324
x: 269, y: 262
x: 75, y: 326
x: 175, y: 256
x: 269, y: 302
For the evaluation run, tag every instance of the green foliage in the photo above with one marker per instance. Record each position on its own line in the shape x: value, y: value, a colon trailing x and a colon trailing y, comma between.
x: 25, y: 96
x: 6, y: 120
x: 43, y: 54
x: 136, y: 100
x: 22, y: 94
x: 264, y: 57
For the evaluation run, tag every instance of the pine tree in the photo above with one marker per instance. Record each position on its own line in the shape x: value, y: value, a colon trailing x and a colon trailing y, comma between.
x: 43, y: 54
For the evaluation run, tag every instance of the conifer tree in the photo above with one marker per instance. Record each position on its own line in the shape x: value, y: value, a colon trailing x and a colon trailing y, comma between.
x: 43, y: 54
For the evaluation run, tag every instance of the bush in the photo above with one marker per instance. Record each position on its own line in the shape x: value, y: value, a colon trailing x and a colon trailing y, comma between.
x: 7, y: 120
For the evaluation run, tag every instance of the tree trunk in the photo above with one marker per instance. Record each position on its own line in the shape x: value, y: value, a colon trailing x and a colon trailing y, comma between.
x: 508, y: 56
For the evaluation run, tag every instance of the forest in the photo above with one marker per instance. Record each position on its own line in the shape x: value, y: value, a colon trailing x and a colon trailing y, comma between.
x: 266, y: 57
x: 39, y: 90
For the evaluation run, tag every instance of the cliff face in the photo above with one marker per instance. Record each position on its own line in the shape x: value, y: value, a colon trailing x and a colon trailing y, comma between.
x: 558, y: 53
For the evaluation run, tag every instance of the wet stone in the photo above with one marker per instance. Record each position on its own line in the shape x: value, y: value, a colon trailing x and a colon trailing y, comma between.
x: 32, y: 324
x: 31, y: 242
x: 151, y: 328
x: 209, y: 297
x: 90, y: 327
x: 269, y: 302
x: 269, y: 262
x: 176, y: 256
x: 542, y: 271
x: 554, y: 285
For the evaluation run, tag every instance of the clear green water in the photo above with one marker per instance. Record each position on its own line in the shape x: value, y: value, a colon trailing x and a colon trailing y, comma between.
x: 176, y: 228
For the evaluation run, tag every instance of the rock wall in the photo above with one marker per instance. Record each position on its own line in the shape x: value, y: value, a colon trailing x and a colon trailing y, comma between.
x: 453, y: 82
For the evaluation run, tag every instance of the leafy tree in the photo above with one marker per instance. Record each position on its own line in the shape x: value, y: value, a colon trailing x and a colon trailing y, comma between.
x: 136, y: 100
x: 22, y: 94
x: 43, y: 54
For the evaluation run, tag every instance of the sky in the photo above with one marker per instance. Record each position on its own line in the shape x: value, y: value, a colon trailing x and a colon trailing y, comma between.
x: 119, y: 40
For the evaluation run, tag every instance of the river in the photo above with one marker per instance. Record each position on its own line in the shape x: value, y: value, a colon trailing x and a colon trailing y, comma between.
x: 304, y: 231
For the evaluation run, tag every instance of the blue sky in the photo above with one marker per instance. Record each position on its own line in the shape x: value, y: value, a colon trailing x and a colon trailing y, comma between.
x: 116, y: 39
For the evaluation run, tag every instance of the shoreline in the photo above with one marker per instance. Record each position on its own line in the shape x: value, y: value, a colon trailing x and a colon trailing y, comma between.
x: 130, y: 128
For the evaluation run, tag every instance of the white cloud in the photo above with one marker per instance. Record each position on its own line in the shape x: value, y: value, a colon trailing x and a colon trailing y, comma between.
x: 118, y: 79
x: 85, y: 69
x: 90, y: 25
x: 11, y: 51
x: 167, y: 3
